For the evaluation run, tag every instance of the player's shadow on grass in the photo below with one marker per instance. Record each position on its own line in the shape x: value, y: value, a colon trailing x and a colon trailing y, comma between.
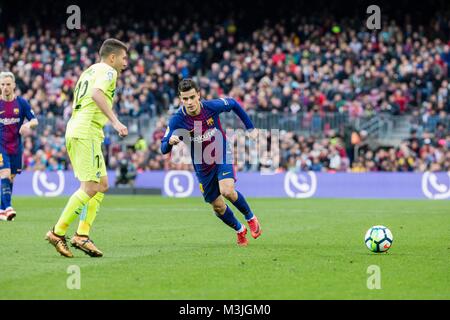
x: 386, y: 254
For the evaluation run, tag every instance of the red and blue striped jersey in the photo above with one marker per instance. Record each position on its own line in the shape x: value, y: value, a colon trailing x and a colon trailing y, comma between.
x: 12, y: 115
x: 204, y: 134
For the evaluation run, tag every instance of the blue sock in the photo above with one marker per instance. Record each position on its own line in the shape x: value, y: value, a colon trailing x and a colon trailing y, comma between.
x: 6, y: 193
x: 229, y: 219
x: 242, y: 205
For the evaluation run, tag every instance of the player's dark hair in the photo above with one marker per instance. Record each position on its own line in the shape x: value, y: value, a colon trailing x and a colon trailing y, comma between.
x: 110, y: 46
x: 186, y: 85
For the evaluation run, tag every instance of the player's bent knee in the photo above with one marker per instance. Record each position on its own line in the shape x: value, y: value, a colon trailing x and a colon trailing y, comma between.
x: 227, y: 193
x: 219, y: 206
x: 220, y: 209
x: 104, y: 188
x: 90, y: 190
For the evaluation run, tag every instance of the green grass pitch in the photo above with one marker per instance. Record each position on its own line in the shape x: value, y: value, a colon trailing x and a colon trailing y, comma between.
x: 164, y: 248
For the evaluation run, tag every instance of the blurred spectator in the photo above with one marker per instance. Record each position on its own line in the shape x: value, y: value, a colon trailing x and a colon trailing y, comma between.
x: 125, y: 174
x: 141, y: 144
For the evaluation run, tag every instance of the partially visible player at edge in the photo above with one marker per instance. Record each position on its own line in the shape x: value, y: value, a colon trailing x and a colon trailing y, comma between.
x: 216, y: 179
x: 91, y: 110
x: 13, y: 112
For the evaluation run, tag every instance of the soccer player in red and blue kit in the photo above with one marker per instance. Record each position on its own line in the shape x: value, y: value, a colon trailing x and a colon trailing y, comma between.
x: 13, y: 112
x: 197, y: 124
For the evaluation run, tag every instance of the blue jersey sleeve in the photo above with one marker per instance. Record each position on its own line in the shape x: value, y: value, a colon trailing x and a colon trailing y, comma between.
x: 26, y: 109
x: 228, y: 104
x: 173, y: 125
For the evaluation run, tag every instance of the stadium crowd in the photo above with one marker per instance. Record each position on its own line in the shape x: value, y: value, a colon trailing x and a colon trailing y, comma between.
x: 300, y: 65
x: 329, y: 153
x: 314, y: 68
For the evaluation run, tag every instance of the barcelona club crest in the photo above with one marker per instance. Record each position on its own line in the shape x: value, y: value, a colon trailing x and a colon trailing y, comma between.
x: 210, y: 122
x: 16, y: 110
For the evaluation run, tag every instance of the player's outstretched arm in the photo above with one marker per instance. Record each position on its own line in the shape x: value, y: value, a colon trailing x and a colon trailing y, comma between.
x: 169, y: 140
x: 239, y: 111
x: 100, y: 100
x: 228, y: 104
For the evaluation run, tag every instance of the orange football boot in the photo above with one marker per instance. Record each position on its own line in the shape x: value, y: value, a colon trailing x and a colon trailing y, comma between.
x: 255, y: 228
x: 241, y: 238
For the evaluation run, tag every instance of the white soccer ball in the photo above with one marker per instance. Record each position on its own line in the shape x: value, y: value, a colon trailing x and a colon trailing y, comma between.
x: 378, y: 239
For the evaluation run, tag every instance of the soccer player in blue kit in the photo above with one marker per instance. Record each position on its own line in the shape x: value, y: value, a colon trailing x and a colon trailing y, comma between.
x: 197, y: 124
x: 13, y: 112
